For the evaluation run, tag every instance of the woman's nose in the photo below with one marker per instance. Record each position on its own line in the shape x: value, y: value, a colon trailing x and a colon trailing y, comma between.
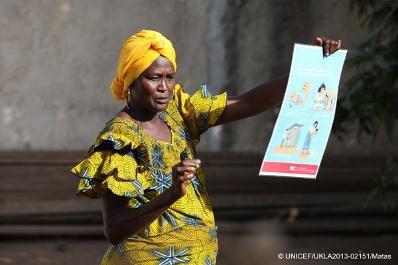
x: 163, y: 86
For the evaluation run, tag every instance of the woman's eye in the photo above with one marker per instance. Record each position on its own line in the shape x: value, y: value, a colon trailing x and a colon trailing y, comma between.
x: 153, y: 78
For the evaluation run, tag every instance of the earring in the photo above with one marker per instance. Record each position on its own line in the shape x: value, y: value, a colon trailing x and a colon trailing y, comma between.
x: 128, y: 99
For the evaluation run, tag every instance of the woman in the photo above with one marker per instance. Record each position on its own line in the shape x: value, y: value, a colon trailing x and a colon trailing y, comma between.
x: 144, y: 166
x: 320, y: 100
x: 307, y: 142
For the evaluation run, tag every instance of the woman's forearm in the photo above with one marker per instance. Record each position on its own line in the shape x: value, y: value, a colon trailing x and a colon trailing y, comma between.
x: 265, y: 96
x: 121, y: 221
x: 255, y: 101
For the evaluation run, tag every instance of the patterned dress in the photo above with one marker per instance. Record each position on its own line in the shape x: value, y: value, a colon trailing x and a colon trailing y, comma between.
x: 128, y: 162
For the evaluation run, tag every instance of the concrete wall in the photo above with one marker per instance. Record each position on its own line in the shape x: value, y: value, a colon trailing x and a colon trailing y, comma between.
x: 58, y: 57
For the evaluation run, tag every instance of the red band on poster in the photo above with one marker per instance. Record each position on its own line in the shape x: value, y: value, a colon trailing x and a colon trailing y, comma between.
x: 280, y: 167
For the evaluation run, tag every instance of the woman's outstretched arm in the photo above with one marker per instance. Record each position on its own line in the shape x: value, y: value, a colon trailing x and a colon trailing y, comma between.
x: 267, y: 95
x: 254, y: 101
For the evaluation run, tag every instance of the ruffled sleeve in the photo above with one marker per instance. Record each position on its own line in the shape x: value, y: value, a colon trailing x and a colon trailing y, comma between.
x: 201, y: 110
x: 111, y: 165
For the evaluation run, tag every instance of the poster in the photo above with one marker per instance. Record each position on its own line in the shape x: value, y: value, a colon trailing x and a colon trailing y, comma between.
x: 305, y: 120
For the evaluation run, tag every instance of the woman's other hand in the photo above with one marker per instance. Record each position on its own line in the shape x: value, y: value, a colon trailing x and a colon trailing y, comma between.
x: 329, y: 46
x: 183, y: 172
x: 121, y: 221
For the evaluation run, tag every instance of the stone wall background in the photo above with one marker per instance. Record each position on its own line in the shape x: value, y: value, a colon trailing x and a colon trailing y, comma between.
x: 58, y: 57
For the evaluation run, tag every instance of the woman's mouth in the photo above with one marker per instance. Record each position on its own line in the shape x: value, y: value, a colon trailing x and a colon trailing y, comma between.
x: 161, y: 100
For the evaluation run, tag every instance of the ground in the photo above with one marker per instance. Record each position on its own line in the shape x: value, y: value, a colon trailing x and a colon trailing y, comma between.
x: 235, y: 248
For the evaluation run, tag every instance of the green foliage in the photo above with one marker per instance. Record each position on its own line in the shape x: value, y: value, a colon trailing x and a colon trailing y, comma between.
x: 370, y: 99
x: 383, y: 183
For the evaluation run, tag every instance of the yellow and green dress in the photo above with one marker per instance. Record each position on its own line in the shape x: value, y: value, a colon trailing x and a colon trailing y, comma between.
x: 128, y: 162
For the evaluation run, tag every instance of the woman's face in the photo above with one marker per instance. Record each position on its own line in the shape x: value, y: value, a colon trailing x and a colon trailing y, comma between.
x: 153, y: 89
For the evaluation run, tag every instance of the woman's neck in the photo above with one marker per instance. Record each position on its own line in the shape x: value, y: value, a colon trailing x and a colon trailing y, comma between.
x: 138, y: 113
x: 150, y: 122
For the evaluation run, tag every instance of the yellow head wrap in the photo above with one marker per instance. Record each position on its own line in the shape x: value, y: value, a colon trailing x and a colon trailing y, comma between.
x: 138, y: 53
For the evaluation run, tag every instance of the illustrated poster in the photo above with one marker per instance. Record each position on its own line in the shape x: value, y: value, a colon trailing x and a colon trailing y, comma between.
x: 305, y: 120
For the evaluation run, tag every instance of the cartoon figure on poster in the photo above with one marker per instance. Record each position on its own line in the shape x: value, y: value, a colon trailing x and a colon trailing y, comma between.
x: 307, y: 142
x: 325, y: 100
x: 290, y: 139
x: 299, y: 98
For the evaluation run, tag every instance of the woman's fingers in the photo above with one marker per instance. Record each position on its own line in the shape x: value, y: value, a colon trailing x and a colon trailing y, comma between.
x: 328, y: 46
x: 187, y: 163
x: 184, y: 173
x: 318, y: 41
x: 194, y: 163
x: 185, y: 178
x: 189, y: 166
x: 334, y: 46
x: 185, y: 169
